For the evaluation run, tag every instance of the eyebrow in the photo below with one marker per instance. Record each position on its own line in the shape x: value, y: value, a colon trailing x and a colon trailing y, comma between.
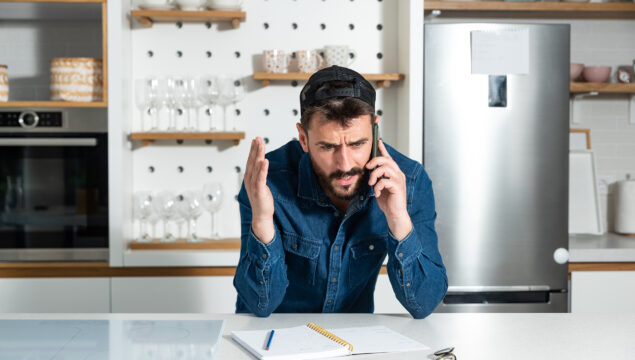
x: 325, y: 143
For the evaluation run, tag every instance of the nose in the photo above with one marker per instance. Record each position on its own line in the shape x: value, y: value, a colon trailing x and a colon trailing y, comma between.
x: 343, y: 158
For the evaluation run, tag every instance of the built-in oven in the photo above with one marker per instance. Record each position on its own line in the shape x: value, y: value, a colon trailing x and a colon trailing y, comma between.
x: 53, y: 187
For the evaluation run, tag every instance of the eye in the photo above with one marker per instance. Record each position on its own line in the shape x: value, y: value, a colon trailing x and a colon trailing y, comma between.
x: 327, y: 147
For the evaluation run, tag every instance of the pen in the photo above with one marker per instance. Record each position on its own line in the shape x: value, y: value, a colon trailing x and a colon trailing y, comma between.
x: 269, y: 341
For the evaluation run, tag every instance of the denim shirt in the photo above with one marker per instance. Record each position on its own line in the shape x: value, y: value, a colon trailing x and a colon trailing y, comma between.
x: 321, y: 260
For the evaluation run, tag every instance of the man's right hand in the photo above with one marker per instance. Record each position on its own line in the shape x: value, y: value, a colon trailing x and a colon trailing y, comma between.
x: 258, y: 192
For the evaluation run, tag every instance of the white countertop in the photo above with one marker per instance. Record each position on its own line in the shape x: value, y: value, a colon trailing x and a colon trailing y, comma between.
x: 475, y: 336
x: 608, y: 247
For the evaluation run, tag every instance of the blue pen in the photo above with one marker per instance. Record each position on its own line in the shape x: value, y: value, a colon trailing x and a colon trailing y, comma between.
x: 269, y: 341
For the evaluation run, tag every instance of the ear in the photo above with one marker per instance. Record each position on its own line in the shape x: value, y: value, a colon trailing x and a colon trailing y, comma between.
x: 302, y: 137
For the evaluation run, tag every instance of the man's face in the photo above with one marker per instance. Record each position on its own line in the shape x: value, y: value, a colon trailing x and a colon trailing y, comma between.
x: 338, y: 154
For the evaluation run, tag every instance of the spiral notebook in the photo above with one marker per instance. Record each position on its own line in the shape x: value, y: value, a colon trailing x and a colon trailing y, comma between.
x: 313, y: 342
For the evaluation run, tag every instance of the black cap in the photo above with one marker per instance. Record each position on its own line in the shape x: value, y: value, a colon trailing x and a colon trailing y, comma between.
x: 361, y: 89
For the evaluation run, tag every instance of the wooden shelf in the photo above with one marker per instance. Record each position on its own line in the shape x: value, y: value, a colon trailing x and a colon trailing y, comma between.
x: 612, y: 88
x: 148, y: 138
x: 53, y: 104
x: 620, y: 9
x: 149, y: 17
x: 181, y: 244
x: 382, y: 80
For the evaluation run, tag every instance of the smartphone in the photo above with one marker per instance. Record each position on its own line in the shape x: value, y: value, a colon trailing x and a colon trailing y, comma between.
x: 374, y: 151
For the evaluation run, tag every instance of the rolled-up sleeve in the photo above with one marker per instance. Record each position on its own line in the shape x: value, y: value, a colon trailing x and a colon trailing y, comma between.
x: 415, y: 268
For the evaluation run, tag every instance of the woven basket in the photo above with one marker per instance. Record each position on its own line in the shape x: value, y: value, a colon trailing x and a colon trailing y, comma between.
x: 4, y: 83
x: 76, y: 79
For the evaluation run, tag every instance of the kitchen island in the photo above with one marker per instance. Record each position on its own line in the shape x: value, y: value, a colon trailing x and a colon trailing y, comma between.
x: 475, y: 336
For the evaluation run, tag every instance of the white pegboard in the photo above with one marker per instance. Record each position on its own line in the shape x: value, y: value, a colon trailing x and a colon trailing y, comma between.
x: 265, y: 111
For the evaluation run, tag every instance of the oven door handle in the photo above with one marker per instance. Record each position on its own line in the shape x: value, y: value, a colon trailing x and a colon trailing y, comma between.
x: 48, y: 142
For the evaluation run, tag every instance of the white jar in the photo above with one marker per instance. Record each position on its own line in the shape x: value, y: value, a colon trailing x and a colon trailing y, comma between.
x: 625, y: 207
x: 4, y: 83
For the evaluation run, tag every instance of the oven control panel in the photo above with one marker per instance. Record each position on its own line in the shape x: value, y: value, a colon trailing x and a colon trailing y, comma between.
x: 31, y: 119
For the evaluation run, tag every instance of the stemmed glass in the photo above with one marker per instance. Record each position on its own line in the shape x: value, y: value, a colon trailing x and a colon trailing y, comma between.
x: 207, y: 89
x: 185, y: 93
x: 143, y: 211
x: 239, y: 94
x: 226, y: 95
x: 212, y: 200
x: 165, y: 206
x: 172, y: 100
x: 149, y: 97
x: 190, y: 207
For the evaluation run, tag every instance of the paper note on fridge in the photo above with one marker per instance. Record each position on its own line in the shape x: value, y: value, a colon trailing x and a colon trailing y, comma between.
x: 500, y: 52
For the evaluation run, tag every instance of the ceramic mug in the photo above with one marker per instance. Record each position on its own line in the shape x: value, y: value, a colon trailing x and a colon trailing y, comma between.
x: 191, y: 5
x: 340, y: 55
x: 4, y: 83
x: 309, y: 61
x: 276, y: 61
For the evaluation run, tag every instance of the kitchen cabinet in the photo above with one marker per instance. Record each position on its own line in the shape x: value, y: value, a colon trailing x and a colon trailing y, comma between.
x: 208, y: 294
x: 55, y: 295
x: 39, y: 35
x: 603, y: 292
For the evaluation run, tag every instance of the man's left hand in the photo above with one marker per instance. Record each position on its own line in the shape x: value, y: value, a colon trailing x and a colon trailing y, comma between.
x: 389, y: 183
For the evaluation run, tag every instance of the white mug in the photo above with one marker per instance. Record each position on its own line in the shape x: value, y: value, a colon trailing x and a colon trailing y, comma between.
x: 191, y: 5
x: 4, y: 83
x: 276, y: 61
x: 309, y: 61
x: 340, y: 55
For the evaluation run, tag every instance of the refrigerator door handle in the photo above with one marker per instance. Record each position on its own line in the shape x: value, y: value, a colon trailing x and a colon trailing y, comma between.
x: 498, y: 294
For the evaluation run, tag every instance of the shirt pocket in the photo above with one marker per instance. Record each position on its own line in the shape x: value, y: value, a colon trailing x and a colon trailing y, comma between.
x: 301, y: 257
x: 366, y: 258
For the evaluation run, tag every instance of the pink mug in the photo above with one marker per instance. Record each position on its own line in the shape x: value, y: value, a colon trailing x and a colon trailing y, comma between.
x: 309, y: 61
x: 276, y: 61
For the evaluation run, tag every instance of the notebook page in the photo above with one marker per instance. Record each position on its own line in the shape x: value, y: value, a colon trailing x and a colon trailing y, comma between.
x: 291, y: 343
x: 377, y: 339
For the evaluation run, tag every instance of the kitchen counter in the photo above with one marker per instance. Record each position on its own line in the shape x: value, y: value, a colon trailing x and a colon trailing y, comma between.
x: 604, y: 248
x: 475, y: 336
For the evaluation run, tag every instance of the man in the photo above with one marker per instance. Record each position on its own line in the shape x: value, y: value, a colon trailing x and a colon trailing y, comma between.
x: 318, y: 215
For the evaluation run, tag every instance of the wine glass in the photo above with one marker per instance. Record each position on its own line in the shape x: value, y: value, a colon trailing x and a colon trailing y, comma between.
x: 141, y: 100
x: 207, y: 89
x: 172, y: 100
x: 226, y: 94
x: 239, y: 94
x: 212, y: 200
x: 190, y: 207
x: 165, y: 206
x: 142, y: 210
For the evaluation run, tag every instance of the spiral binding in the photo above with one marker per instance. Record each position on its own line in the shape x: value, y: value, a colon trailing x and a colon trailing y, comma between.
x: 330, y: 335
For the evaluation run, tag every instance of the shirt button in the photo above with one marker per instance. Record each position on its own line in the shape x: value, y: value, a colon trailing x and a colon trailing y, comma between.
x: 361, y: 198
x: 400, y: 254
x: 336, y: 248
x: 262, y: 282
x: 329, y: 302
x: 371, y: 247
x: 294, y: 246
x: 264, y: 256
x: 334, y: 280
x: 407, y: 284
x: 336, y: 214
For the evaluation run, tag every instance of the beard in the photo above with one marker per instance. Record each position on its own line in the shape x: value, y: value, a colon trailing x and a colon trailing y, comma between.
x: 342, y: 192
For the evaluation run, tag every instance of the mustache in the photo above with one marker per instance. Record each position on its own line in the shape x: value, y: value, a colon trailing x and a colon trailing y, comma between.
x: 340, y: 174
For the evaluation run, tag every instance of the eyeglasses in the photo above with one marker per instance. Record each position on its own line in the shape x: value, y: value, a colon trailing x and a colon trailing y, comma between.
x: 445, y: 354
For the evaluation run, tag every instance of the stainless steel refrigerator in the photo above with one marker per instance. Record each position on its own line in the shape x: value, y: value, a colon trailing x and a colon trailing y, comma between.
x: 496, y: 110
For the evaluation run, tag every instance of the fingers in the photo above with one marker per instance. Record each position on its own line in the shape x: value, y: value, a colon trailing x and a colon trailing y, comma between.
x: 261, y: 179
x: 382, y: 172
x: 384, y: 184
x: 381, y: 161
x: 382, y: 149
x: 254, y: 166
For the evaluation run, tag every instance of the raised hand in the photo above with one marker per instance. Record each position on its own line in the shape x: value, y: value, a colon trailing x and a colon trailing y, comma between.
x: 389, y: 183
x: 258, y: 192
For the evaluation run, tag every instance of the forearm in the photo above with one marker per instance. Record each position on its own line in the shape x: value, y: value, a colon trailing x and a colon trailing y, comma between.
x: 419, y: 282
x: 261, y: 277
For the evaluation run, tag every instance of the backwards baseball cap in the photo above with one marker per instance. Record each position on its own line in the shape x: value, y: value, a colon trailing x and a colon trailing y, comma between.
x: 312, y: 94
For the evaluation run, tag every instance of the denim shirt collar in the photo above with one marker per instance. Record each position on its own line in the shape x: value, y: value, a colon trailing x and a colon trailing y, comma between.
x: 309, y: 187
